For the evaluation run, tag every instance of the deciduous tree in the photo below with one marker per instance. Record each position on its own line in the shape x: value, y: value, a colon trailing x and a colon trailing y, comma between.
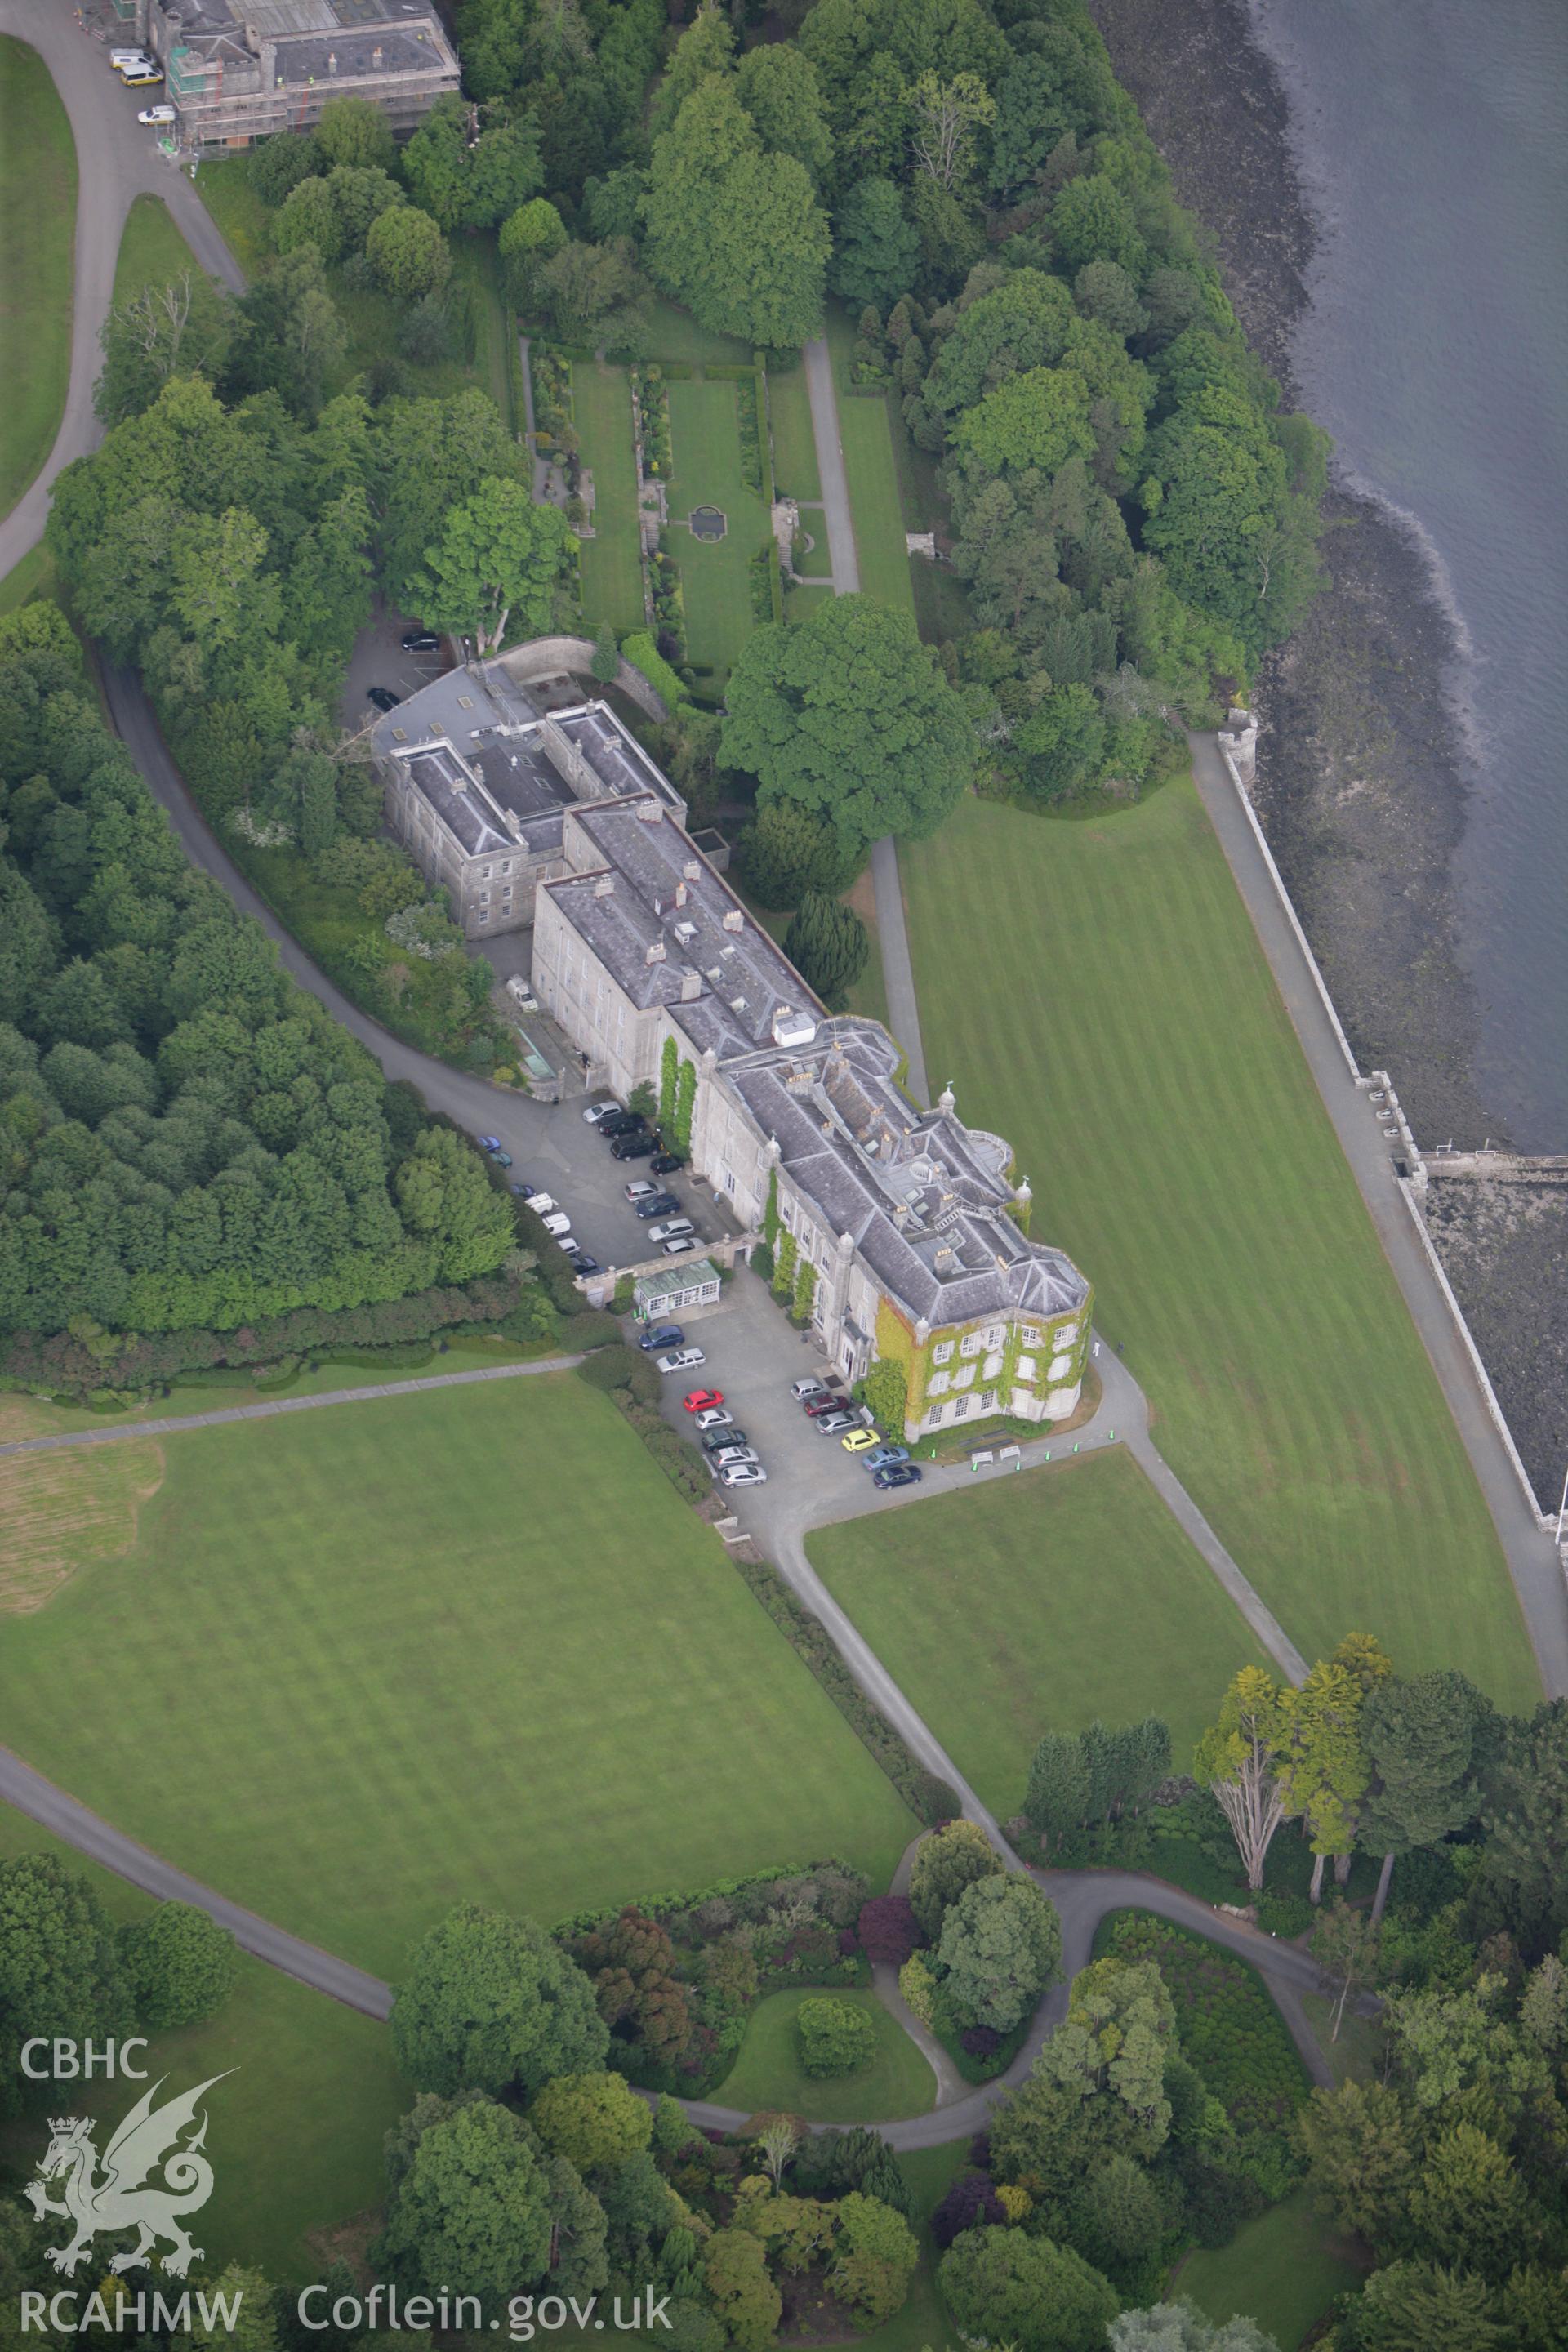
x: 1001, y: 1946
x: 848, y: 717
x: 1025, y: 2291
x: 499, y: 560
x: 180, y: 1964
x: 1238, y: 1759
x: 492, y: 2003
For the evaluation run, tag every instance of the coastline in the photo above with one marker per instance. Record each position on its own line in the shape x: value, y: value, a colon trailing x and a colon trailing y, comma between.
x: 1361, y: 786
x: 1361, y: 783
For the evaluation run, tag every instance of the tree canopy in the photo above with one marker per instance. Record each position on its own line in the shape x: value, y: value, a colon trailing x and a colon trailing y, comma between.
x: 491, y: 2004
x: 848, y: 716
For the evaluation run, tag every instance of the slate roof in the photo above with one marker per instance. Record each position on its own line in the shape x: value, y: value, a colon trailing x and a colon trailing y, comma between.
x: 922, y: 1196
x: 723, y: 977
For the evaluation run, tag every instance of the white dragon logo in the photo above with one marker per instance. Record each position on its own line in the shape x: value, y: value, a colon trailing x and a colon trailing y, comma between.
x: 119, y: 2198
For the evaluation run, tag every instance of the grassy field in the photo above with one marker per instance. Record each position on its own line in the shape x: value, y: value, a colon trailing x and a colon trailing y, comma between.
x: 295, y: 2134
x: 1003, y: 1612
x: 359, y: 1664
x: 1099, y: 991
x: 863, y: 426
x: 795, y: 442
x: 243, y: 219
x: 33, y: 577
x: 37, y: 198
x: 1278, y: 2270
x: 153, y: 252
x: 674, y: 334
x: 612, y: 561
x: 705, y: 443
x: 898, y: 2081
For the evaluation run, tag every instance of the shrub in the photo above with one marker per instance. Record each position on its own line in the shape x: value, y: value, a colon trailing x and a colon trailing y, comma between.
x: 888, y: 1929
x: 592, y: 1329
x: 971, y: 2204
x: 981, y: 2041
x: 834, y: 2038
x: 1285, y: 1915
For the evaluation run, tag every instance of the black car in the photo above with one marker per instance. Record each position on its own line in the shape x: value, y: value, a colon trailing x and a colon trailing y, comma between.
x: 713, y: 1438
x: 382, y: 696
x: 421, y: 641
x: 664, y: 1163
x: 583, y: 1262
x: 658, y: 1204
x: 631, y: 1147
x: 623, y: 1122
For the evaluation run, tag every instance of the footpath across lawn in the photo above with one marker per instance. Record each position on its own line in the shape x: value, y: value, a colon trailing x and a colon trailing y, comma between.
x: 37, y: 203
x: 359, y: 1664
x: 1034, y: 1604
x: 1100, y: 993
x: 295, y: 2133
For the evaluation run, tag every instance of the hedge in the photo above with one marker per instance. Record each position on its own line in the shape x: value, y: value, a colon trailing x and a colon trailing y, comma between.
x: 928, y: 1798
x: 62, y: 1365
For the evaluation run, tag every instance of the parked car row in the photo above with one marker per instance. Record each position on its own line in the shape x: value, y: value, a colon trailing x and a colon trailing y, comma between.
x: 833, y: 1414
x: 630, y: 1137
x: 556, y: 1221
x: 731, y: 1456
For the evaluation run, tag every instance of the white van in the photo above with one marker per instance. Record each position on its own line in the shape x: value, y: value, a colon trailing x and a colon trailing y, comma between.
x: 118, y: 58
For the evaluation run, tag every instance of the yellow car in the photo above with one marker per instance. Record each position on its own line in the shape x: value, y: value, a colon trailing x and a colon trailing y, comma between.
x: 861, y: 1440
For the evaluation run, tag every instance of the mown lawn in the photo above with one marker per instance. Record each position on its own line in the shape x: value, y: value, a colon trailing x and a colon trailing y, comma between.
x: 1283, y: 2270
x: 153, y: 252
x: 1034, y: 1604
x: 362, y: 1664
x: 878, y: 512
x: 1099, y: 992
x: 223, y: 186
x: 295, y: 2134
x: 768, y: 2074
x: 674, y: 334
x: 612, y: 561
x: 705, y: 444
x: 795, y: 442
x: 37, y: 203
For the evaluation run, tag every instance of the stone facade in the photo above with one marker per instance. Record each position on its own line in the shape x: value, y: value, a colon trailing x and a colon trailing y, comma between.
x: 911, y: 1223
x: 480, y: 775
x: 237, y: 71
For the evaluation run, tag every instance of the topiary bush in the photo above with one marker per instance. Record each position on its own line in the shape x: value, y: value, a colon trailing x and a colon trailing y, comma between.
x: 834, y: 2038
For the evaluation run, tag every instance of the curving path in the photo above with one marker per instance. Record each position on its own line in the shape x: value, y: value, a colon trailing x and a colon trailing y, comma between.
x: 117, y: 161
x: 1083, y: 1898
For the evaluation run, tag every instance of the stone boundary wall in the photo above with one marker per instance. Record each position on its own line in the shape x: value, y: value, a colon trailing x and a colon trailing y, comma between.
x: 1411, y: 1186
x: 548, y: 657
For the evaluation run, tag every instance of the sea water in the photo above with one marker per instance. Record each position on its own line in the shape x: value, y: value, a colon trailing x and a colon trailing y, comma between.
x: 1432, y: 137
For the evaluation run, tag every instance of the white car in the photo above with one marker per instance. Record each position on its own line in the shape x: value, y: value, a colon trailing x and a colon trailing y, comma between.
x: 684, y: 1359
x: 556, y: 1224
x: 810, y: 1386
x: 731, y: 1457
x: 743, y: 1474
x: 713, y: 1416
x: 568, y: 1242
x: 597, y: 1111
x: 156, y: 114
x: 672, y: 1229
x: 642, y: 1189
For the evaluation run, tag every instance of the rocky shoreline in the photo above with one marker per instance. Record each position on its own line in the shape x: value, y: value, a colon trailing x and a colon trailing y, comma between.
x: 1361, y: 783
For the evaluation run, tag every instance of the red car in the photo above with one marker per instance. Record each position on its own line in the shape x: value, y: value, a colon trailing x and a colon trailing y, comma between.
x: 829, y: 1401
x: 701, y: 1399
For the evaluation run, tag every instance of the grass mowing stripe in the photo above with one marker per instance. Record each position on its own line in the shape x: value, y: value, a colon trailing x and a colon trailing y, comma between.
x: 1006, y: 1610
x: 612, y: 559
x: 1099, y: 990
x: 705, y: 444
x: 456, y: 1644
x: 794, y: 440
x: 38, y: 202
